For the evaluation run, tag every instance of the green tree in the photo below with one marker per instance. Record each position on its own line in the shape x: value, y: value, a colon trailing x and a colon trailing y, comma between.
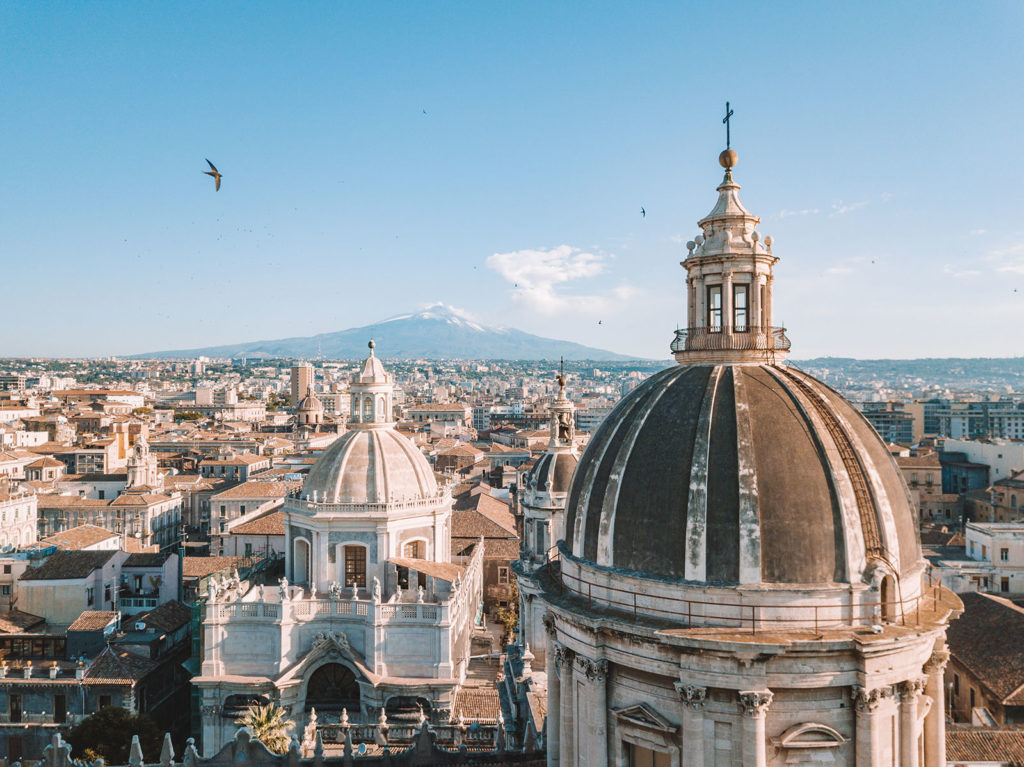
x: 187, y: 415
x: 508, y: 617
x: 107, y: 734
x: 268, y: 725
x: 142, y: 410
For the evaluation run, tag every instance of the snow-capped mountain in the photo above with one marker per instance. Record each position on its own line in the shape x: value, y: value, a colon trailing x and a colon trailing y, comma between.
x: 436, y: 332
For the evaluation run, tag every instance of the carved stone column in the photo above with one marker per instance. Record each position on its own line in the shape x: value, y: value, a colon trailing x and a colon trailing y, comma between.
x: 754, y: 704
x: 567, y: 699
x: 935, y: 721
x: 727, y: 310
x: 211, y: 729
x: 595, y: 751
x: 692, y: 697
x: 909, y: 692
x: 554, y: 715
x: 868, y: 741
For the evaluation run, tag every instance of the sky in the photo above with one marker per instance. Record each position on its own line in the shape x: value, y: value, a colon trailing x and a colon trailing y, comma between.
x: 495, y: 156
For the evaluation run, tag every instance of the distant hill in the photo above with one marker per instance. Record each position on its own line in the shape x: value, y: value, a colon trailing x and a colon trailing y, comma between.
x: 437, y: 332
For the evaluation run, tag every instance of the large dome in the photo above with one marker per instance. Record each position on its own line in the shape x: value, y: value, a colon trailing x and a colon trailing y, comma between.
x: 734, y: 474
x: 370, y: 466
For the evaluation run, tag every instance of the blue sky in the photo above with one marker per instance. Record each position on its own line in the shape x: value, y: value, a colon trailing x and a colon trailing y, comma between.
x: 879, y: 143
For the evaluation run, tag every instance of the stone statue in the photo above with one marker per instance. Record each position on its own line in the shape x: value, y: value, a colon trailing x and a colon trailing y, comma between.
x: 284, y: 589
x: 260, y: 590
x: 355, y: 591
x: 420, y: 592
x: 211, y: 591
x: 376, y: 589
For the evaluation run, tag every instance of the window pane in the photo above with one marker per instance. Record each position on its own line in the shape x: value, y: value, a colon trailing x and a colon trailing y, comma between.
x: 355, y: 566
x: 739, y: 308
x: 715, y: 307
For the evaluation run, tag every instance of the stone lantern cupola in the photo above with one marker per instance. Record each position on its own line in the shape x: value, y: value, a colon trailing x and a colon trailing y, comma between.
x: 729, y: 286
x: 372, y: 391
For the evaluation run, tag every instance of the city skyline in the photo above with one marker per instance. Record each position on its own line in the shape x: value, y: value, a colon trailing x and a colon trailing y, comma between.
x: 497, y: 160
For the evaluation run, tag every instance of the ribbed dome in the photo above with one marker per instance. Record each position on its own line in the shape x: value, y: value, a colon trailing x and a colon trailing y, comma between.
x: 310, y: 404
x: 740, y: 474
x: 370, y: 466
x: 556, y: 468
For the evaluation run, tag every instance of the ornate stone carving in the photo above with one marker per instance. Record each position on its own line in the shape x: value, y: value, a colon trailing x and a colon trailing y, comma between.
x: 937, y: 662
x: 595, y: 670
x: 549, y: 624
x: 564, y: 656
x: 692, y: 695
x: 210, y: 711
x: 323, y: 638
x: 755, y: 702
x: 910, y: 689
x: 867, y: 701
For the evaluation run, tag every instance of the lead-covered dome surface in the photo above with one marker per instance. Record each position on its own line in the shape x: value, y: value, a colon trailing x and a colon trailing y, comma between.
x: 370, y: 466
x: 740, y: 474
x: 553, y: 472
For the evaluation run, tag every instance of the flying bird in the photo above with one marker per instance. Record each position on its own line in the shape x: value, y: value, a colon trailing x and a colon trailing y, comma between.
x: 215, y: 173
x: 643, y: 213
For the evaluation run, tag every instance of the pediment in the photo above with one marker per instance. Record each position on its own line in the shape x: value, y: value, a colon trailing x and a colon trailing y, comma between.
x: 809, y: 735
x: 327, y: 647
x: 642, y: 715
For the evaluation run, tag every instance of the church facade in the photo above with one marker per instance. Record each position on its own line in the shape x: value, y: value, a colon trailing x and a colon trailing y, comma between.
x: 373, y: 616
x: 740, y: 580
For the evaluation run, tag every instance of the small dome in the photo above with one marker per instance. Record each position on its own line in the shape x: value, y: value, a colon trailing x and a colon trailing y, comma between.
x: 740, y: 474
x: 370, y: 466
x: 310, y: 404
x: 556, y: 468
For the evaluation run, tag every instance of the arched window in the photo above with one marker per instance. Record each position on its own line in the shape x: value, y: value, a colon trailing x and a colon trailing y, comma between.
x: 300, y: 561
x: 355, y: 565
x: 333, y: 687
x: 380, y: 408
x: 890, y: 608
x: 415, y: 550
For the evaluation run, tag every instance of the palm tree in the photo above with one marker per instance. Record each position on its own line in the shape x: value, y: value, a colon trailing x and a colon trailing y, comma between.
x: 268, y: 725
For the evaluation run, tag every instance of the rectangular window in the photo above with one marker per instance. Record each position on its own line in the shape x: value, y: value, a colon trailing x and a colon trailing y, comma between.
x: 972, y: 697
x: 89, y: 596
x: 7, y: 569
x: 714, y: 318
x: 355, y: 566
x: 5, y: 590
x: 1004, y: 584
x: 105, y: 701
x: 984, y: 551
x: 248, y: 549
x: 241, y: 509
x: 60, y: 709
x: 1004, y: 555
x: 502, y: 575
x: 106, y: 593
x: 638, y: 756
x: 102, y: 495
x: 739, y: 308
x: 956, y: 684
x: 14, y: 701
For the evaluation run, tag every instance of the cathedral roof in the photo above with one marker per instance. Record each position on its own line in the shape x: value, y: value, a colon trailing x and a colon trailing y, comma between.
x: 740, y: 474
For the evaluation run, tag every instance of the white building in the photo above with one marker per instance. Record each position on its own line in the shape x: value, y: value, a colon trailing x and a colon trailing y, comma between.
x: 373, y: 614
x: 19, y: 523
x: 1003, y: 456
x: 741, y: 581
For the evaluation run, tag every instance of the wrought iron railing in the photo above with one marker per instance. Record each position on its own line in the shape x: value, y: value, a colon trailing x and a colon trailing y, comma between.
x: 728, y: 338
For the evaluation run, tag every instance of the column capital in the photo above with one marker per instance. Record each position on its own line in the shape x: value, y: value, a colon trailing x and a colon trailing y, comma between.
x: 910, y: 689
x: 549, y: 625
x: 937, y: 662
x: 754, y: 703
x: 210, y: 711
x: 691, y: 695
x: 595, y: 670
x: 867, y: 701
x: 564, y: 656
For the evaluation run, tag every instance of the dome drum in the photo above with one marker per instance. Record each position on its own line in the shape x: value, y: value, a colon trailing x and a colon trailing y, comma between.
x: 638, y: 596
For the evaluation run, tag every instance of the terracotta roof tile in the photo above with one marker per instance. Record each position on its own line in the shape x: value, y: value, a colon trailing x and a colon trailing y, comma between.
x: 93, y: 620
x: 996, y: 745
x: 997, y: 665
x: 64, y: 565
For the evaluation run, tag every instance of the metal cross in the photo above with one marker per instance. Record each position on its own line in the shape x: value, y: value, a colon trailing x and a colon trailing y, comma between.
x: 728, y: 114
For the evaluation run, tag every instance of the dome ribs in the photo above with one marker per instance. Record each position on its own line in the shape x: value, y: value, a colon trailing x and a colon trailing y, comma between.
x: 861, y: 489
x: 723, y: 500
x: 746, y: 472
x: 697, y: 503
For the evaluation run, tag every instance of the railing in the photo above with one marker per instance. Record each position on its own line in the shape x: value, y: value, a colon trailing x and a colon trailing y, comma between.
x: 476, y: 736
x: 43, y: 717
x: 729, y: 338
x: 738, y: 615
x: 141, y: 603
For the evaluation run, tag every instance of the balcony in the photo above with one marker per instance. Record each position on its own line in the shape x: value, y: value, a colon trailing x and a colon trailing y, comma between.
x: 726, y: 339
x: 44, y: 718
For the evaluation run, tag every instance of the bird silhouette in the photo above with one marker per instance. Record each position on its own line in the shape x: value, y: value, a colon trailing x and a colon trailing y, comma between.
x: 215, y: 173
x: 643, y: 213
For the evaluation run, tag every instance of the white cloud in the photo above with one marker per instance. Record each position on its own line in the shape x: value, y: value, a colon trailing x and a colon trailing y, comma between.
x: 839, y: 270
x: 840, y: 208
x: 976, y: 232
x: 539, y: 278
x: 804, y: 212
x: 953, y: 271
x: 1008, y: 260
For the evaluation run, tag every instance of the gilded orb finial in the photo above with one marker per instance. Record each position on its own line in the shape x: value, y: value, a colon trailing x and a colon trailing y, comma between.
x: 727, y: 159
x: 371, y: 345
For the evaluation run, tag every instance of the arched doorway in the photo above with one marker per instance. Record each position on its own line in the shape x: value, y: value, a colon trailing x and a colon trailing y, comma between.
x: 300, y: 562
x: 889, y: 599
x: 331, y: 688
